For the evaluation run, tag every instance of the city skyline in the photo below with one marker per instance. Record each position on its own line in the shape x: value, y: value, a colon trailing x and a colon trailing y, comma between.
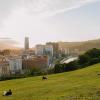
x: 47, y: 20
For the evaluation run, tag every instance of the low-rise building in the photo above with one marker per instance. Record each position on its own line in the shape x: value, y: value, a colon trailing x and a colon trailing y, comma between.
x: 15, y: 65
x: 37, y: 62
x: 4, y: 68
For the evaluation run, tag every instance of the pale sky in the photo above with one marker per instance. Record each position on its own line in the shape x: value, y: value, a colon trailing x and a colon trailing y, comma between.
x: 49, y: 20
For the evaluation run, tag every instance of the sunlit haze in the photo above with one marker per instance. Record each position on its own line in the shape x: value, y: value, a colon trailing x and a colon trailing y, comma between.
x: 49, y: 20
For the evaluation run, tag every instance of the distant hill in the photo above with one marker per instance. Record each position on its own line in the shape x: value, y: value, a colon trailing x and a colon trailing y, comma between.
x: 81, y: 46
x: 8, y: 44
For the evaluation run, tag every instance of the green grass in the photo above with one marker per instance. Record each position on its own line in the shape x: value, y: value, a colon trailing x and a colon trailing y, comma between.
x: 83, y: 84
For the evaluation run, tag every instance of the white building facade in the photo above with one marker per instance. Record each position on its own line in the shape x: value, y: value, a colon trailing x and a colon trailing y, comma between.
x: 15, y: 65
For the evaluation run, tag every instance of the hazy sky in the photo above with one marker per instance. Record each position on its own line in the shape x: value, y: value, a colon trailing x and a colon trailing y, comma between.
x: 49, y: 20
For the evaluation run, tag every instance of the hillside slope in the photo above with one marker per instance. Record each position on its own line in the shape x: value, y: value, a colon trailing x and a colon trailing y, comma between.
x: 83, y: 84
x: 81, y: 46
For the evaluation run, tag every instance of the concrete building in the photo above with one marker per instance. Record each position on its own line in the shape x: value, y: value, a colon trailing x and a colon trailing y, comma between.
x: 55, y: 48
x: 37, y: 62
x: 26, y: 43
x: 48, y: 50
x: 39, y: 50
x: 44, y: 50
x: 15, y: 65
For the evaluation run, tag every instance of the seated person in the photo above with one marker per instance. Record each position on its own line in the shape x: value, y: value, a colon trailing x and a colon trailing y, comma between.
x: 44, y: 78
x: 7, y: 93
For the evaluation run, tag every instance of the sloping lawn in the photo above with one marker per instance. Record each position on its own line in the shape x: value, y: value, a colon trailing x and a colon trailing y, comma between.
x: 83, y: 84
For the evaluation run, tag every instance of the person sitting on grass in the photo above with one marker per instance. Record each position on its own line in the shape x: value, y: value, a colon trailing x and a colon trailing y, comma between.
x: 44, y: 78
x: 7, y: 93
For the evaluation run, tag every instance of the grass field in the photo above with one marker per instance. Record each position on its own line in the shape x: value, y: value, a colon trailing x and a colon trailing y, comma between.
x: 83, y: 84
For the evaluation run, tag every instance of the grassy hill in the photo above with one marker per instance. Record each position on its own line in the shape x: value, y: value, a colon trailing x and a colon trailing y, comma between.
x: 83, y: 84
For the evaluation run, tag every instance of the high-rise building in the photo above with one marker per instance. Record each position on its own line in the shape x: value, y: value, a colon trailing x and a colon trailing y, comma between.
x: 26, y: 43
x: 55, y: 48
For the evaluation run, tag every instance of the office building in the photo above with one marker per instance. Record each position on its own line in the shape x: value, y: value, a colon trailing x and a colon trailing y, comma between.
x: 26, y: 43
x: 39, y: 50
x: 55, y: 48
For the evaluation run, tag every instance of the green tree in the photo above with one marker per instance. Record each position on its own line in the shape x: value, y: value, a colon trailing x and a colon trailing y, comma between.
x: 83, y: 59
x: 93, y: 53
x: 58, y: 68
